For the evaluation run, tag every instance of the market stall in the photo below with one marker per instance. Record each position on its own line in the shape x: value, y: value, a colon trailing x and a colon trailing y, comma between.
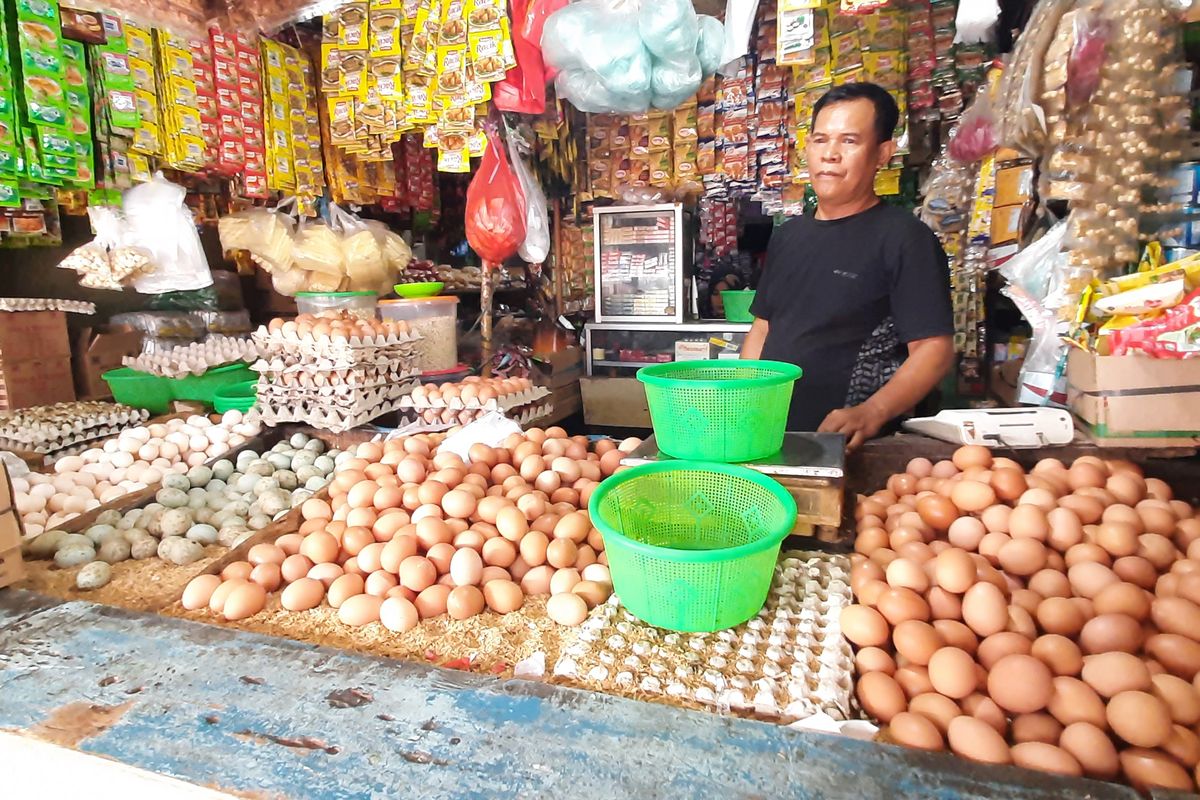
x: 328, y: 314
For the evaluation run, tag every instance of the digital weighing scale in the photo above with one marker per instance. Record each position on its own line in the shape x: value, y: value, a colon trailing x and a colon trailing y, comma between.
x: 998, y: 427
x: 811, y: 466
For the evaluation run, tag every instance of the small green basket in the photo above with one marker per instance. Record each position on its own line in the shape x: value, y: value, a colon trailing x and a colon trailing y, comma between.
x: 724, y: 410
x: 237, y: 397
x: 691, y: 546
x: 204, y: 388
x: 736, y: 303
x: 139, y: 389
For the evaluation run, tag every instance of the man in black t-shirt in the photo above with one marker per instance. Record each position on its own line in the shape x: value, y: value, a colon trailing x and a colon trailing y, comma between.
x: 857, y: 294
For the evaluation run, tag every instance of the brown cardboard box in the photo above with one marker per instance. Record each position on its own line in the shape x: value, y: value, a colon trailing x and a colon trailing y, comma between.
x: 560, y: 368
x: 1006, y: 224
x: 12, y: 568
x: 1014, y: 185
x: 96, y: 354
x: 1135, y: 395
x: 36, y: 382
x: 1005, y: 381
x: 615, y: 402
x: 33, y: 334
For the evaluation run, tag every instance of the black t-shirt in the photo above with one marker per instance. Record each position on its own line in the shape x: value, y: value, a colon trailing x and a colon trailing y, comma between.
x: 843, y: 297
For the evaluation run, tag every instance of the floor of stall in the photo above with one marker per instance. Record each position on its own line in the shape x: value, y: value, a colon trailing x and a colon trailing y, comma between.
x: 259, y: 716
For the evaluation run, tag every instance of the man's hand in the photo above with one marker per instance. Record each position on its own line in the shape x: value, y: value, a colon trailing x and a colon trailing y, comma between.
x: 858, y: 423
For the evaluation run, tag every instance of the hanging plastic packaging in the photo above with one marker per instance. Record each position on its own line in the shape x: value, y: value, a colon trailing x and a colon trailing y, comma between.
x: 976, y: 21
x: 606, y: 55
x: 159, y: 222
x: 975, y: 136
x: 710, y: 45
x: 1088, y: 51
x: 536, y: 246
x: 1032, y: 268
x: 495, y: 208
x: 669, y: 28
x: 522, y: 90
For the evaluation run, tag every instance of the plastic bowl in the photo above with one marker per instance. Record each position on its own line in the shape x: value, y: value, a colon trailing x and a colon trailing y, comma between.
x: 692, y: 546
x: 411, y: 290
x: 236, y: 397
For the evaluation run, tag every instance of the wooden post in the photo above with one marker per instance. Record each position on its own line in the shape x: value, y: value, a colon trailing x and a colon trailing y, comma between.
x: 485, y: 312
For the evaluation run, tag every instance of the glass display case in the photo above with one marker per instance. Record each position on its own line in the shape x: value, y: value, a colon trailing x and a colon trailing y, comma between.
x: 640, y: 262
x: 620, y: 349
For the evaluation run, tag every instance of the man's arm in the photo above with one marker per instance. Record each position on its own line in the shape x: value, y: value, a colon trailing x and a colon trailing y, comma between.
x: 928, y: 362
x: 755, y: 338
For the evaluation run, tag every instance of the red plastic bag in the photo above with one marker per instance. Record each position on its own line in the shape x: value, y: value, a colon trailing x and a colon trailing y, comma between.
x: 495, y: 212
x: 523, y: 88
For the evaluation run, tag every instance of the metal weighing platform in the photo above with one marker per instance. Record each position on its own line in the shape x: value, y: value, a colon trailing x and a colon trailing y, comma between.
x: 811, y: 466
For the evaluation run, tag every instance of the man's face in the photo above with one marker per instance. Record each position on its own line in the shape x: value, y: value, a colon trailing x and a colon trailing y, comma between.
x: 843, y: 154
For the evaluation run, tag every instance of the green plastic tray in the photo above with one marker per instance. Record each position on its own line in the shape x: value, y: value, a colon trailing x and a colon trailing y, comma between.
x: 237, y: 397
x: 155, y: 394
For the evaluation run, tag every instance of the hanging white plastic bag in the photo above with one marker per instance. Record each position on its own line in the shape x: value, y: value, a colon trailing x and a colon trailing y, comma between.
x: 739, y: 22
x: 159, y: 222
x: 976, y: 21
x: 536, y: 246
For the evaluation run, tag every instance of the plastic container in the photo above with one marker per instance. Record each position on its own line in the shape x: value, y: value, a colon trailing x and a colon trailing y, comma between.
x: 691, y: 546
x: 360, y: 304
x: 727, y: 411
x: 236, y: 397
x: 155, y: 394
x: 140, y: 389
x: 436, y: 320
x: 204, y: 388
x: 736, y: 303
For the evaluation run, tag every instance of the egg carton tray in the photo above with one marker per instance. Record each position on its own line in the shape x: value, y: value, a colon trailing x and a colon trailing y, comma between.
x: 406, y: 355
x: 322, y: 373
x: 293, y: 343
x: 274, y: 393
x: 31, y: 427
x: 56, y: 445
x: 509, y: 401
x: 194, y: 359
x: 322, y: 416
x: 46, y: 304
x: 450, y: 416
x: 341, y: 395
x: 787, y: 663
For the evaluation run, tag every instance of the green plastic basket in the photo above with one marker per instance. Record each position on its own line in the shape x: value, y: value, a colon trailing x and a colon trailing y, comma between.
x: 691, y: 546
x: 139, y: 389
x: 238, y: 397
x: 204, y: 388
x: 726, y: 410
x: 736, y: 303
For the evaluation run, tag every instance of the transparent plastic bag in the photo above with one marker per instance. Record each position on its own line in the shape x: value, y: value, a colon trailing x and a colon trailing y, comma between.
x: 599, y: 62
x: 266, y: 234
x: 669, y: 28
x: 976, y: 21
x: 710, y: 45
x: 1088, y: 49
x: 1032, y: 268
x: 674, y: 81
x: 975, y: 136
x: 362, y: 251
x: 536, y: 246
x: 318, y: 249
x: 108, y: 262
x: 159, y: 222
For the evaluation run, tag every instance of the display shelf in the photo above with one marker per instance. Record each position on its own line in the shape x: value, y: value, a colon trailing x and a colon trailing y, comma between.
x: 640, y: 263
x: 650, y: 344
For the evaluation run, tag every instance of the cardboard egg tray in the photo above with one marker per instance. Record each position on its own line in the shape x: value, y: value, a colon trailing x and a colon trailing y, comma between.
x: 44, y: 429
x: 46, y: 304
x: 343, y: 394
x: 330, y: 416
x: 787, y: 663
x: 58, y: 445
x: 291, y: 344
x: 522, y: 415
x: 195, y: 358
x: 276, y: 372
x: 509, y: 401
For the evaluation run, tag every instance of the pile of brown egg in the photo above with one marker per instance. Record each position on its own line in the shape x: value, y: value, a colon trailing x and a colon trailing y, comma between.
x: 409, y: 533
x: 1048, y: 619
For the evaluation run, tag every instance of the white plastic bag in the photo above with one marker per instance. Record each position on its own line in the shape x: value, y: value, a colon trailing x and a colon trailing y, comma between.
x: 976, y: 21
x: 159, y: 222
x: 536, y: 246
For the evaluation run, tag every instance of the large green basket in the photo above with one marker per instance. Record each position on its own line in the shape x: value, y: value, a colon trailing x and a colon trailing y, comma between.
x: 726, y: 410
x: 691, y: 546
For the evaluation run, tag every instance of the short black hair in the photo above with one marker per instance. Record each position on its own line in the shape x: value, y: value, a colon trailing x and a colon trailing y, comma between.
x: 887, y: 113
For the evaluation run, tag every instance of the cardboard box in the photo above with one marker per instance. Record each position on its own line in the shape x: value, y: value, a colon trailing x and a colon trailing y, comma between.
x: 1006, y: 224
x: 1014, y: 185
x: 1138, y: 396
x: 33, y: 334
x: 557, y: 369
x: 1005, y: 381
x: 615, y: 402
x: 36, y: 382
x: 96, y: 354
x: 12, y: 568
